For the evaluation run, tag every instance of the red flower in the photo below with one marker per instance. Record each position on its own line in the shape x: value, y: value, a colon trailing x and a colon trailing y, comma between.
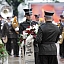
x: 28, y: 31
x: 28, y: 27
x: 0, y: 46
x: 21, y: 40
x: 2, y: 52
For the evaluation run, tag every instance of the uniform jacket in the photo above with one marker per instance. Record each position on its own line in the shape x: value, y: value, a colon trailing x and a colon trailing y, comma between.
x: 9, y: 31
x: 47, y: 36
x: 1, y: 25
x: 25, y: 25
x: 61, y: 27
x: 61, y: 45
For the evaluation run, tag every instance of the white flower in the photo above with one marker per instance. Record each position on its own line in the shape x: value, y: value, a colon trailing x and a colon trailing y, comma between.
x: 24, y: 35
x: 36, y: 27
x: 29, y: 28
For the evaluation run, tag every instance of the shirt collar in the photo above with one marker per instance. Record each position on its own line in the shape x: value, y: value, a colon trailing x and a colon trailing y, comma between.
x: 48, y: 21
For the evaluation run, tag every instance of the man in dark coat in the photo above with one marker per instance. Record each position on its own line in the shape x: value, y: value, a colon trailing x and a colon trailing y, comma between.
x: 12, y: 38
x: 61, y: 30
x: 26, y: 24
x: 47, y: 36
x: 1, y: 25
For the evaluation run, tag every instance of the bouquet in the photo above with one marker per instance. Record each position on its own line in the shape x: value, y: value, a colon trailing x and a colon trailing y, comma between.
x: 28, y: 34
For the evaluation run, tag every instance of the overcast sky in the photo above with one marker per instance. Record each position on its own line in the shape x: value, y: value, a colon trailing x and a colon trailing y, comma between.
x: 61, y: 0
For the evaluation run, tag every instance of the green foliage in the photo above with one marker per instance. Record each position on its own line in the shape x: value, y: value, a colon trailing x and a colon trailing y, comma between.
x: 57, y: 1
x: 20, y: 39
x: 15, y: 4
x: 21, y: 0
x: 14, y: 1
x: 8, y: 1
x: 3, y: 52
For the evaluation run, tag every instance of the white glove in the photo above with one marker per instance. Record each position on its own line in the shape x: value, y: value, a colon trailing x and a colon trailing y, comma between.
x: 17, y: 29
x: 60, y: 36
x: 24, y: 35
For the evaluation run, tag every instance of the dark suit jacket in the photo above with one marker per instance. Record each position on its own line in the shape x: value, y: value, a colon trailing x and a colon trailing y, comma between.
x: 47, y: 36
x: 9, y: 31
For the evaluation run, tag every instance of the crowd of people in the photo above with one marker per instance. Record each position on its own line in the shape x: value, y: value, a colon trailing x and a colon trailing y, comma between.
x: 45, y: 50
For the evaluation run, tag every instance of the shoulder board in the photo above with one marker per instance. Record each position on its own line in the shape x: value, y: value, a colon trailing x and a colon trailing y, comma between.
x: 42, y: 24
x: 58, y: 24
x: 23, y: 22
x: 35, y: 22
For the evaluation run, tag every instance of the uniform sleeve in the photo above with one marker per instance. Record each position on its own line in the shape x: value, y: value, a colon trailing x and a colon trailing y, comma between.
x: 61, y: 28
x: 4, y: 31
x: 21, y: 29
x: 57, y: 37
x: 38, y: 38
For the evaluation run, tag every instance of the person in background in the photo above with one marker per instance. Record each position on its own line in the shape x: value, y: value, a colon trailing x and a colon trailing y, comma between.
x: 12, y: 36
x: 61, y: 27
x: 1, y: 25
x: 26, y: 24
x: 47, y: 36
x: 37, y: 18
x: 41, y: 20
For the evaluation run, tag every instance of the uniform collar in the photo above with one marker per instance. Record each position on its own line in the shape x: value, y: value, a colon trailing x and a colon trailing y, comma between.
x: 29, y: 21
x: 48, y: 21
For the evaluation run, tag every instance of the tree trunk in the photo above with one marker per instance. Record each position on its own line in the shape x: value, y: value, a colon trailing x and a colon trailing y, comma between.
x: 15, y: 11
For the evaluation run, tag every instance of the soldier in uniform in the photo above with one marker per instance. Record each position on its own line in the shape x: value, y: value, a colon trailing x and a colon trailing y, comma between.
x: 47, y: 36
x: 28, y: 22
x: 12, y: 38
x: 36, y: 45
x: 25, y: 24
x: 37, y: 19
x: 61, y: 26
x: 1, y: 25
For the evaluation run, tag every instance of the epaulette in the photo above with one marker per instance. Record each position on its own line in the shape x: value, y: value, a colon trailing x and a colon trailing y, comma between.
x: 35, y: 22
x: 23, y: 22
x: 42, y: 24
x: 58, y: 24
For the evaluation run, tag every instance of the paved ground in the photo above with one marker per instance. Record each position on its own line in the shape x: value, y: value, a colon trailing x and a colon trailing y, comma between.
x: 17, y: 60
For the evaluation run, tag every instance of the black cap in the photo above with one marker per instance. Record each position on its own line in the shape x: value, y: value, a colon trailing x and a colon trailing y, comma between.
x: 28, y: 11
x: 37, y: 16
x: 48, y: 13
x: 62, y: 15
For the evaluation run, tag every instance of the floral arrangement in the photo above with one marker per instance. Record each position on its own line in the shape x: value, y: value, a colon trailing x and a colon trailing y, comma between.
x: 20, y: 39
x: 28, y: 34
x: 3, y: 52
